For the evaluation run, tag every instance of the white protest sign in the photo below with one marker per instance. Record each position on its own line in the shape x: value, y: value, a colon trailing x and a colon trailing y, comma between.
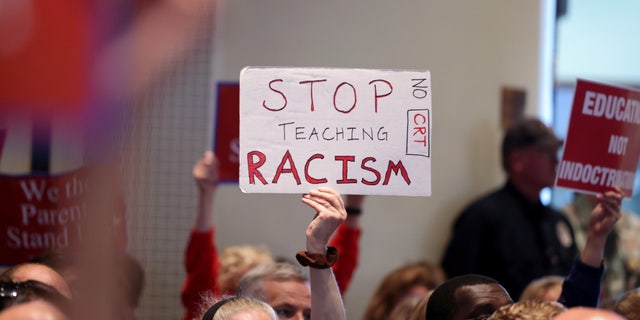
x: 359, y: 131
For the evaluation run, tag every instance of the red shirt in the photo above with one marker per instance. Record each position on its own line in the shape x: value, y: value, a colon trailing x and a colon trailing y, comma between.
x: 203, y: 266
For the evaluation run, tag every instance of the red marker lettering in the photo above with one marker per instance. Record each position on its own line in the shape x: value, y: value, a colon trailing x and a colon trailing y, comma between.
x: 264, y: 102
x: 375, y: 90
x: 307, y: 176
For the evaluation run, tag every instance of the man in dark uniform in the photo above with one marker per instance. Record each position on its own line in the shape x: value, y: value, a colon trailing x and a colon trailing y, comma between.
x: 509, y: 235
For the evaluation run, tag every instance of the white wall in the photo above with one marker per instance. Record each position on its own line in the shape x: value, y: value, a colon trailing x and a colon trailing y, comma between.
x: 472, y: 48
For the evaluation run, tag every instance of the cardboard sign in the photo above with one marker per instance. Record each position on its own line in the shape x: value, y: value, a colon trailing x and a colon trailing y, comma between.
x: 40, y: 212
x: 358, y: 131
x: 226, y: 140
x: 603, y: 140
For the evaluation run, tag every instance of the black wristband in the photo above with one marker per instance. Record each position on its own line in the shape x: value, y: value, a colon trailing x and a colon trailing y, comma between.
x: 353, y: 211
x: 317, y: 260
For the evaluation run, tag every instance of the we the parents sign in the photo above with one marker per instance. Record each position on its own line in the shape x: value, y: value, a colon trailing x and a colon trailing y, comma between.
x: 359, y: 131
x: 49, y: 212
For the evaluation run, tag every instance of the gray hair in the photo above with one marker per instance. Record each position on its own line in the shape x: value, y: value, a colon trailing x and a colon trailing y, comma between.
x: 252, y: 283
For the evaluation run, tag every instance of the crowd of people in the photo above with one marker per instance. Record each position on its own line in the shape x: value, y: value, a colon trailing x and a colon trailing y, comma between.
x: 509, y: 257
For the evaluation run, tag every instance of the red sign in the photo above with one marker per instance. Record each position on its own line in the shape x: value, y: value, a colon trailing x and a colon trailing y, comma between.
x: 228, y: 131
x: 3, y: 136
x: 40, y: 212
x: 603, y: 141
x: 44, y: 55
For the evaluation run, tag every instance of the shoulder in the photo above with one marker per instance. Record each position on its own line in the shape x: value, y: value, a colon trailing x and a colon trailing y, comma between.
x: 488, y: 207
x: 493, y: 202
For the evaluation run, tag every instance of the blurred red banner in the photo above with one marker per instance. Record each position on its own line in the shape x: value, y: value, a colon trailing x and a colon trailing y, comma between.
x: 41, y: 212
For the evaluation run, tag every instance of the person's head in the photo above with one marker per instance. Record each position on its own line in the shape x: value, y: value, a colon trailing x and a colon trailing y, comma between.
x: 128, y: 269
x: 529, y: 153
x: 38, y: 272
x: 128, y: 275
x: 130, y: 279
x: 62, y: 261
x: 546, y: 288
x: 239, y: 308
x: 584, y: 313
x: 282, y: 285
x: 413, y: 279
x: 466, y: 297
x: 629, y: 305
x: 235, y: 261
x: 420, y: 310
x: 33, y: 310
x: 404, y: 308
x: 16, y: 293
x: 59, y: 260
x: 528, y: 310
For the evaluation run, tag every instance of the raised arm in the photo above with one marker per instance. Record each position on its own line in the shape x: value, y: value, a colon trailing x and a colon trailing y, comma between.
x: 603, y: 219
x: 346, y: 240
x: 205, y: 173
x: 201, y: 256
x: 326, y: 301
x: 582, y: 286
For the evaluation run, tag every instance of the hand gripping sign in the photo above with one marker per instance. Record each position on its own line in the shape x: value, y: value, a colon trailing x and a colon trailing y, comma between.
x: 359, y: 131
x: 603, y: 142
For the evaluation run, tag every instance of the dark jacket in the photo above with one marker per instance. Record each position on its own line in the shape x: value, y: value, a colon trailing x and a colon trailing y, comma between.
x: 505, y: 236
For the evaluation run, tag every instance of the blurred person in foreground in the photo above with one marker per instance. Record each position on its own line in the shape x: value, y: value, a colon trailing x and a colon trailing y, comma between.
x: 584, y: 313
x: 85, y: 61
x: 126, y: 272
x: 33, y: 310
x: 37, y: 272
x: 32, y: 299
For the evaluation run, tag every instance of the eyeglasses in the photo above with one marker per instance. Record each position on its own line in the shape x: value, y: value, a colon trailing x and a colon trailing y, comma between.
x: 9, y: 289
x: 13, y: 293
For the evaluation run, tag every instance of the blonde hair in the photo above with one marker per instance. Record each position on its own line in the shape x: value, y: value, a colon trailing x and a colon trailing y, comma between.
x: 528, y: 310
x: 225, y: 308
x: 243, y: 304
x: 252, y: 284
x: 420, y: 310
x: 629, y: 305
x: 404, y: 308
x: 235, y: 261
x: 537, y: 288
x: 395, y: 285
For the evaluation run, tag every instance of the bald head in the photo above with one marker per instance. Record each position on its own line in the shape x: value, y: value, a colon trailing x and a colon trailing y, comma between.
x: 467, y: 296
x: 38, y: 272
x: 582, y: 313
x: 32, y: 310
